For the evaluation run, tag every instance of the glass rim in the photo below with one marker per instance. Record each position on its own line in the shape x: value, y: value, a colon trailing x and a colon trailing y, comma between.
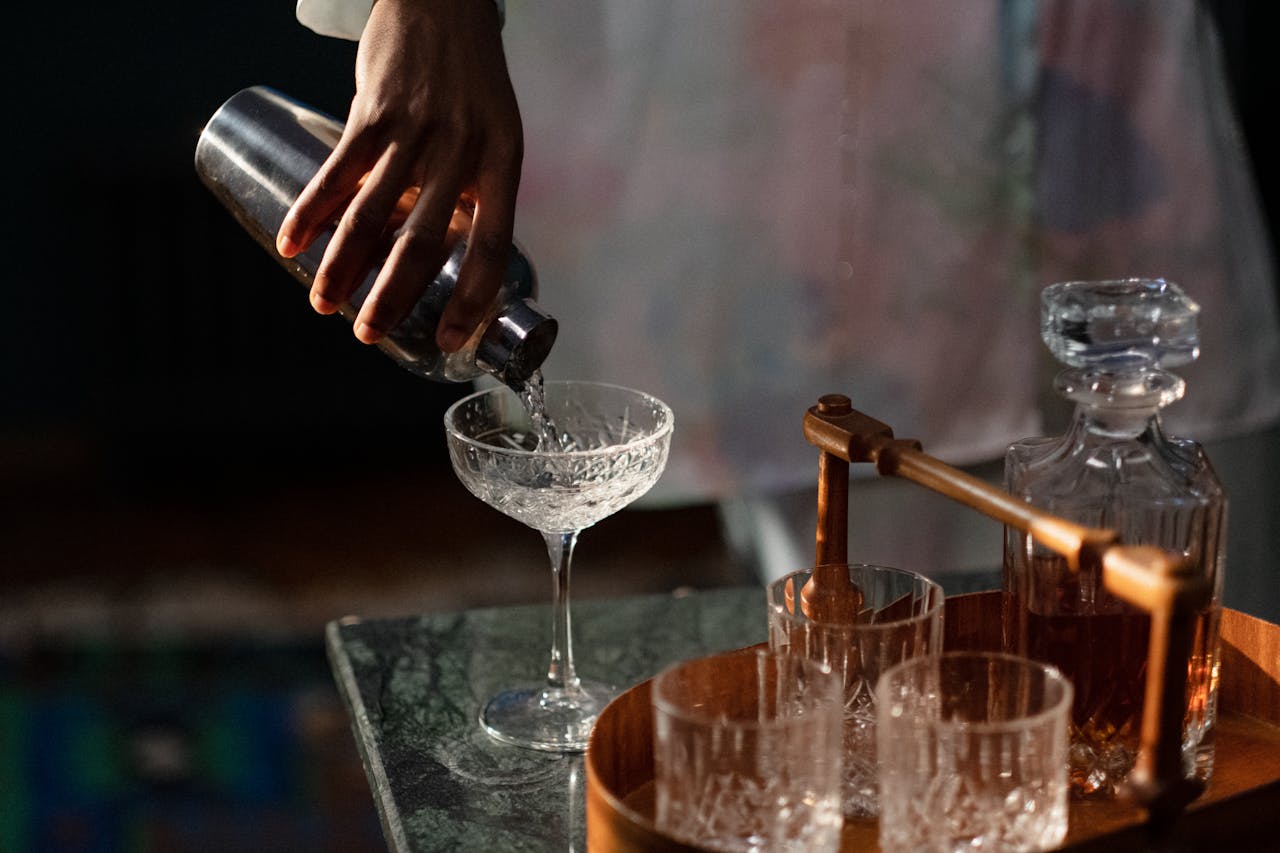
x: 665, y: 429
x: 1130, y: 284
x: 709, y: 718
x: 1053, y: 676
x: 937, y: 601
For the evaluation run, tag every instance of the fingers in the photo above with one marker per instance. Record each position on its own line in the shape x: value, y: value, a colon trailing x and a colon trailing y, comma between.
x: 488, y: 251
x: 378, y: 201
x: 416, y: 256
x: 327, y: 193
x: 353, y: 250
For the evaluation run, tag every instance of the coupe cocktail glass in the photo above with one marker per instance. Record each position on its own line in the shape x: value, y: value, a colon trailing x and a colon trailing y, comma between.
x: 602, y: 447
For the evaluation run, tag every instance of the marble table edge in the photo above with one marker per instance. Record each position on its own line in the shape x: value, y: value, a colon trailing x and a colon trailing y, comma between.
x: 379, y: 784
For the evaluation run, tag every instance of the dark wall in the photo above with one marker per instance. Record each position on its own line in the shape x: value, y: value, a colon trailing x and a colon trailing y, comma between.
x: 141, y: 328
x: 1249, y: 29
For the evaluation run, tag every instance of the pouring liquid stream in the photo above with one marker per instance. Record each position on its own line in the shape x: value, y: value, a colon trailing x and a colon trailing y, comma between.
x: 544, y: 432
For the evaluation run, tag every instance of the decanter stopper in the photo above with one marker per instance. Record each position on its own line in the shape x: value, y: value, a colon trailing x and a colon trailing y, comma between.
x: 1117, y: 337
x: 1120, y: 325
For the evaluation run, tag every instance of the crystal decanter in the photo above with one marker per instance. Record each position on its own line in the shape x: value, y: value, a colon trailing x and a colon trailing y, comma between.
x: 1115, y: 468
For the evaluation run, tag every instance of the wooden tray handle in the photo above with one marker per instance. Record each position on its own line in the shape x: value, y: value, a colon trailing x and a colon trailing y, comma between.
x: 1162, y: 583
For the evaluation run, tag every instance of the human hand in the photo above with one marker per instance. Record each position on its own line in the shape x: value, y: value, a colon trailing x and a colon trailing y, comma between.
x: 434, y: 118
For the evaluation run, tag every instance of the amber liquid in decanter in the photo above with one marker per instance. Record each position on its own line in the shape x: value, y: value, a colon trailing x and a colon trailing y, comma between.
x: 1115, y: 468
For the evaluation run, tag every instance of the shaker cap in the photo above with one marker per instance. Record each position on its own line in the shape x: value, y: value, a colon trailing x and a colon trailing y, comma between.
x: 516, y: 342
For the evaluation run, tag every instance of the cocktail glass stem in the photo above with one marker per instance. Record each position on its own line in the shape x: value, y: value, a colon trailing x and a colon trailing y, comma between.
x: 560, y: 673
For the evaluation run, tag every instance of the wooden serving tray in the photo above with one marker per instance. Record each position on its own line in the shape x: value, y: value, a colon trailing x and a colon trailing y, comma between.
x: 1240, y: 810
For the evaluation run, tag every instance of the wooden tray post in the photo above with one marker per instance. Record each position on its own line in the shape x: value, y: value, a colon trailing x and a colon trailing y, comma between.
x: 1161, y: 583
x: 828, y: 595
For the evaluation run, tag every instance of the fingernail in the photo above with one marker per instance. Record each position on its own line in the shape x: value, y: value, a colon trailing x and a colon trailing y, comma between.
x: 368, y: 334
x: 322, y: 305
x: 452, y: 338
x: 285, y: 246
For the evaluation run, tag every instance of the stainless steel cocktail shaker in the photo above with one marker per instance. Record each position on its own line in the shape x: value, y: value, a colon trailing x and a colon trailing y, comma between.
x: 258, y: 152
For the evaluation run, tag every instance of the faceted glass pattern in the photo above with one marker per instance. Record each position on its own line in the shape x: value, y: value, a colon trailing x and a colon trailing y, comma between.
x: 611, y: 447
x: 973, y: 754
x: 746, y: 752
x: 1121, y: 323
x: 900, y: 618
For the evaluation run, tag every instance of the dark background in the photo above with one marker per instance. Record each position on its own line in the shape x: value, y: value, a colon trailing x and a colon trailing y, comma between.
x: 145, y: 339
x: 1249, y: 30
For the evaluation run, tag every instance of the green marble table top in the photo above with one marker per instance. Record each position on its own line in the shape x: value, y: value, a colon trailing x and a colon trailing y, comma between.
x: 414, y: 689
